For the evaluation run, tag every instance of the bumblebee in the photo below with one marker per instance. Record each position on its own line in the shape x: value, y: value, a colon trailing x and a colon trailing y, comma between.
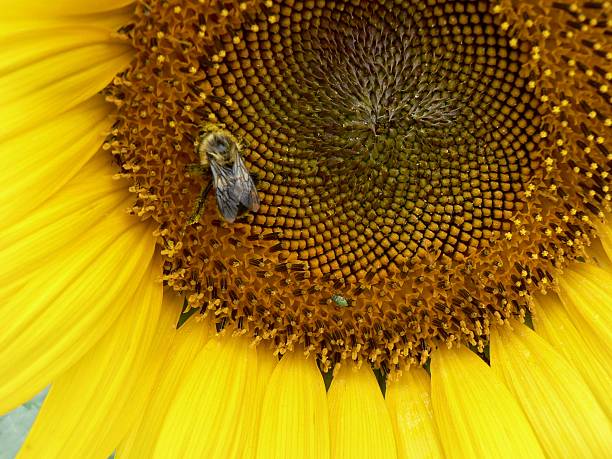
x: 219, y: 152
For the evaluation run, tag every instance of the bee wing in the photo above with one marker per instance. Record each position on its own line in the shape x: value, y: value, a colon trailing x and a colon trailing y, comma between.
x: 244, y: 189
x: 227, y: 201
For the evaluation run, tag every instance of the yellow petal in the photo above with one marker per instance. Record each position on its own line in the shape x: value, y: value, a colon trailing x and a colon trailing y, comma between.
x: 143, y: 388
x: 586, y: 292
x: 95, y: 180
x: 11, y: 288
x: 80, y: 205
x: 84, y: 413
x: 111, y: 20
x: 294, y: 417
x: 56, y: 81
x: 22, y: 19
x: 42, y: 160
x: 475, y: 414
x: 69, y: 304
x: 360, y: 426
x: 555, y: 326
x: 266, y: 363
x: 560, y: 407
x: 29, y: 46
x: 212, y: 413
x: 64, y: 8
x: 186, y: 344
x: 409, y: 403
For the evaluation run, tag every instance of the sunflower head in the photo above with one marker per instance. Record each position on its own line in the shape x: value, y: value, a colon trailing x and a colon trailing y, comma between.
x: 421, y: 168
x: 348, y: 183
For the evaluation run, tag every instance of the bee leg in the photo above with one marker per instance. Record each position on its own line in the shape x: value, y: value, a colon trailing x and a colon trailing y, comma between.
x: 199, y: 207
x: 199, y: 169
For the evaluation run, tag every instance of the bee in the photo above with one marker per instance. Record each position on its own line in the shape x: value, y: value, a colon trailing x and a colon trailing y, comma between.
x: 219, y: 151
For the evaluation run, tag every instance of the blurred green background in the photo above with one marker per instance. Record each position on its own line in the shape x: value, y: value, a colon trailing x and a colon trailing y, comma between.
x: 15, y: 425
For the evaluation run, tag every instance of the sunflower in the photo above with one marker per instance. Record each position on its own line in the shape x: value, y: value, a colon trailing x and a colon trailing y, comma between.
x: 425, y: 271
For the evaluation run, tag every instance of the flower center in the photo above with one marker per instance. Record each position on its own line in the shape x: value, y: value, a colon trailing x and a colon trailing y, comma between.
x: 402, y: 155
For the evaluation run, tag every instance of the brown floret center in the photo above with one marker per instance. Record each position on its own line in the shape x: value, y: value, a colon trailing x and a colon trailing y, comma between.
x: 418, y: 175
